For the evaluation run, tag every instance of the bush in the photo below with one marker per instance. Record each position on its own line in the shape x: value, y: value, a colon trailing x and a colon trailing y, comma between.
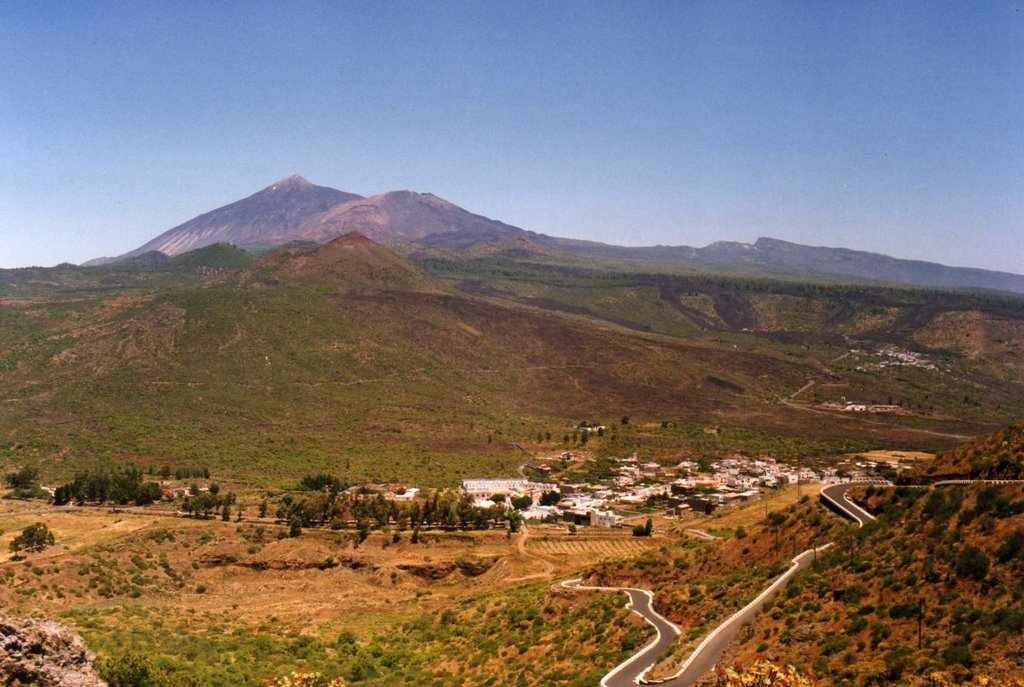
x: 957, y: 654
x: 973, y: 563
x: 306, y: 680
x: 644, y: 530
x: 138, y: 670
x: 321, y: 482
x: 33, y: 538
x: 833, y: 644
x: 1011, y: 546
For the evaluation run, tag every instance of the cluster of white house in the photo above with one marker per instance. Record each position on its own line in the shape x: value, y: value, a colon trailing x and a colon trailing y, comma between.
x: 894, y: 358
x: 577, y: 509
x: 684, y: 487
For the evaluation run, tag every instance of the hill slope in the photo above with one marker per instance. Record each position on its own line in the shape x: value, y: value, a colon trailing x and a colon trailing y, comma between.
x: 349, y: 260
x: 860, y: 264
x: 993, y: 456
x: 409, y: 217
x: 934, y: 584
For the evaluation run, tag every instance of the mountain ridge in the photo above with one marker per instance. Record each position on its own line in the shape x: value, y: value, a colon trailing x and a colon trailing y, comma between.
x: 294, y: 209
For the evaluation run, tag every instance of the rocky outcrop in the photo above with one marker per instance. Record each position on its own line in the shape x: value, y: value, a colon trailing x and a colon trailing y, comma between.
x: 438, y: 571
x: 45, y: 654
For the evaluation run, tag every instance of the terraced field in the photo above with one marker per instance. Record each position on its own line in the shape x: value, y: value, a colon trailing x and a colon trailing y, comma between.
x: 590, y: 548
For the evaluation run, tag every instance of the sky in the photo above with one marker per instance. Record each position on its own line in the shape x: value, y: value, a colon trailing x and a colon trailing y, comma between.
x: 883, y: 126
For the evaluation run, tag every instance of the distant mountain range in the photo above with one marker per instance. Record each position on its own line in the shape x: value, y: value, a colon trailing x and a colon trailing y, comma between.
x: 295, y: 210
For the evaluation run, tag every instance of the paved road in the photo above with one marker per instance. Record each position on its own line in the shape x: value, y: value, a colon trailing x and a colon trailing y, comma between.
x: 701, y: 534
x: 628, y: 673
x: 714, y: 644
x: 837, y: 496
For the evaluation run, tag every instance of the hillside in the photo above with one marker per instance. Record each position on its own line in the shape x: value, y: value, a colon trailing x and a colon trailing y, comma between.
x: 349, y: 260
x: 797, y: 258
x: 949, y: 597
x: 852, y: 618
x: 348, y: 355
x: 405, y: 216
x: 993, y: 456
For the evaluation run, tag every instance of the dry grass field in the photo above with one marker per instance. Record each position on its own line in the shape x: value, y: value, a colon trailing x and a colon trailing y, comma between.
x: 180, y: 588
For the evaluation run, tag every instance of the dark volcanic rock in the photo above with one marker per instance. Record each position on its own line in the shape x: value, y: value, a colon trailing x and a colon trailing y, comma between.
x: 44, y: 653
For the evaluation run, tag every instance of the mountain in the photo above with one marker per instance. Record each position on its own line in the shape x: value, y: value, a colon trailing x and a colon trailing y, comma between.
x: 860, y: 264
x: 265, y: 219
x: 295, y: 210
x: 409, y: 217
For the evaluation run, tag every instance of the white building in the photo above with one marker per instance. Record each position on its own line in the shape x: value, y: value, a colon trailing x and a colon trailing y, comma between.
x: 604, y: 518
x: 489, y: 487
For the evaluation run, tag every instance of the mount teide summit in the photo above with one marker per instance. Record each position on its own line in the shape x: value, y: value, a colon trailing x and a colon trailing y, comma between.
x: 295, y: 210
x: 264, y: 220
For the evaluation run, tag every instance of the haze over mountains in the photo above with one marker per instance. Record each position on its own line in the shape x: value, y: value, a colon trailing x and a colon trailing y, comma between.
x: 296, y: 210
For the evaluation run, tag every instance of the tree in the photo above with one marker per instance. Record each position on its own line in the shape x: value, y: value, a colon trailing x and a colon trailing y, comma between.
x: 515, y: 521
x: 521, y: 502
x: 23, y: 479
x: 550, y: 498
x: 625, y: 419
x: 644, y: 530
x: 33, y: 538
x: 321, y: 482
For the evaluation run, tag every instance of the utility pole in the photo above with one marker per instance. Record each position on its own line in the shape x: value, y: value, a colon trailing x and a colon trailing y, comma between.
x: 920, y: 619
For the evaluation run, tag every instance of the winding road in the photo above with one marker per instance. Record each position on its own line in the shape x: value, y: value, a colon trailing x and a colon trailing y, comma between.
x: 714, y: 644
x: 641, y: 602
x: 837, y: 497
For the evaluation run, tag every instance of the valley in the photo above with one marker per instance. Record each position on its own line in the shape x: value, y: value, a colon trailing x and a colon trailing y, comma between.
x: 250, y: 458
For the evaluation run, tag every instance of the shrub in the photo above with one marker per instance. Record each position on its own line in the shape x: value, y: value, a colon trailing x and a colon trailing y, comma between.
x: 1011, y: 546
x: 138, y: 670
x: 833, y: 644
x: 957, y: 653
x: 973, y: 563
x: 33, y: 538
x: 306, y: 680
x: 644, y: 530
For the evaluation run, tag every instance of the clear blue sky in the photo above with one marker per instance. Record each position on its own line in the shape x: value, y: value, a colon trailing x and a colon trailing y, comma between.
x: 885, y: 126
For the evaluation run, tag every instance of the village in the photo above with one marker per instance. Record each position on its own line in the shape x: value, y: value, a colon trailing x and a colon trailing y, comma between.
x: 638, y: 487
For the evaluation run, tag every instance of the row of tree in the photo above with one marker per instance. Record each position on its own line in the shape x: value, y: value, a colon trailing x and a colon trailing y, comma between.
x: 121, y: 486
x: 205, y: 504
x: 440, y: 509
